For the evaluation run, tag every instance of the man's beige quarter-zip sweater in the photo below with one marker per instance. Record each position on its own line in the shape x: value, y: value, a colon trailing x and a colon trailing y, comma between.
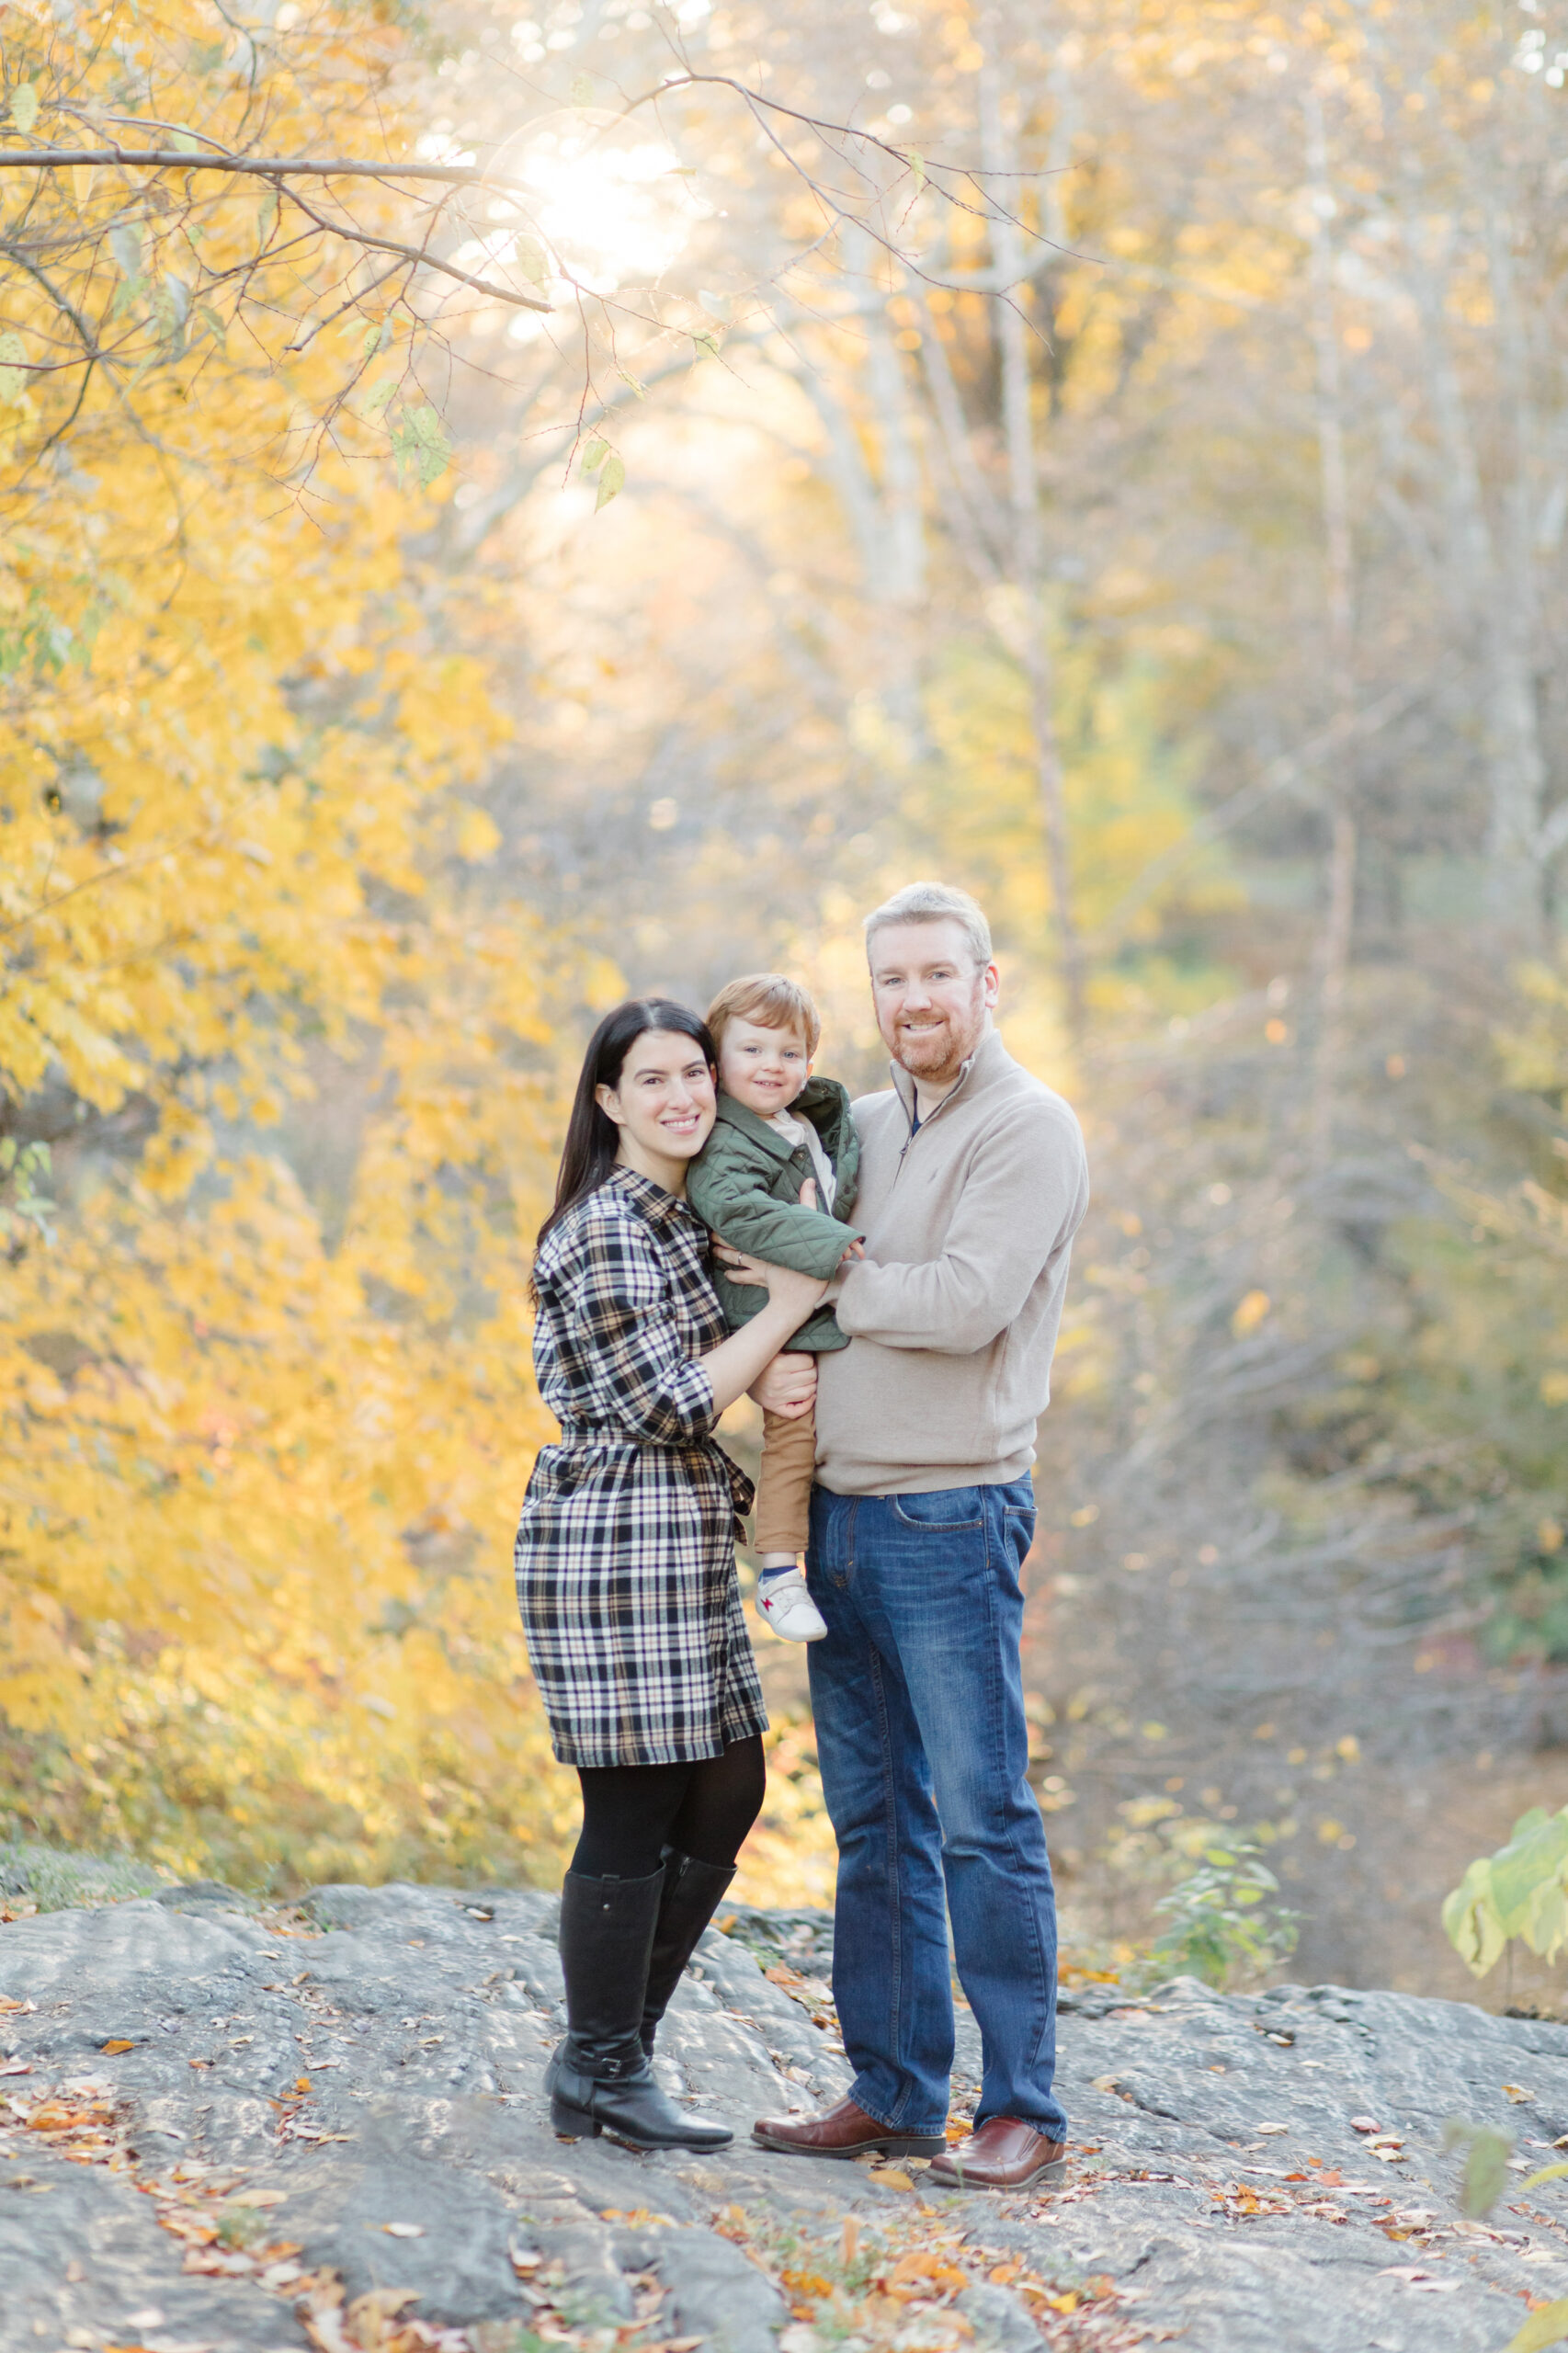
x: 953, y: 1313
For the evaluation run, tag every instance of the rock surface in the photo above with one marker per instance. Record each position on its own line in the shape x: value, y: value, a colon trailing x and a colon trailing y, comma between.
x: 221, y: 2128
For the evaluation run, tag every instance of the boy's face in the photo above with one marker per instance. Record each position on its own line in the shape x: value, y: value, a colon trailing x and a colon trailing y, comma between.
x: 763, y: 1069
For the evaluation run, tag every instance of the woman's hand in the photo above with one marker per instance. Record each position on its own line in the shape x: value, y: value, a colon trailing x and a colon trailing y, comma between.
x: 792, y: 1294
x: 787, y: 1387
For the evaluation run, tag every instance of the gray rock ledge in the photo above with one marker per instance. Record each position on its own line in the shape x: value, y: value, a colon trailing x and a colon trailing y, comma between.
x: 294, y: 2121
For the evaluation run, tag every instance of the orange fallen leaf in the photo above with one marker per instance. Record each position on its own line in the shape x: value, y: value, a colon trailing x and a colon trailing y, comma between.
x: 303, y: 2083
x: 807, y: 2283
x: 116, y: 2046
x: 890, y: 2177
x: 1004, y: 2274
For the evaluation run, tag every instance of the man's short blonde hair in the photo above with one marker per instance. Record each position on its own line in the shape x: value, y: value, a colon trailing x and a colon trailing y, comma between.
x: 934, y: 902
x: 770, y: 1000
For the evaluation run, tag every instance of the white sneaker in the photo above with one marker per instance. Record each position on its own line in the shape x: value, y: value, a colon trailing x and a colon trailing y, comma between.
x: 789, y: 1608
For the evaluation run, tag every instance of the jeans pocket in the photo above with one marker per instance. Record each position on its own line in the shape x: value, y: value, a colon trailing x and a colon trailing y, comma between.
x: 946, y: 1509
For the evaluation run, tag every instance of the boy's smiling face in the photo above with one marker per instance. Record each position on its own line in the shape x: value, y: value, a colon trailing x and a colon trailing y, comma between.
x: 763, y: 1069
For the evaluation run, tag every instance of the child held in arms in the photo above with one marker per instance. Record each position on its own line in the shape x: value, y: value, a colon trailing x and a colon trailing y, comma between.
x: 777, y: 1178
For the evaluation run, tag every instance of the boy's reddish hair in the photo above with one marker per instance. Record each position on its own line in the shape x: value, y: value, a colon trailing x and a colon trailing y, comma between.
x: 770, y: 1000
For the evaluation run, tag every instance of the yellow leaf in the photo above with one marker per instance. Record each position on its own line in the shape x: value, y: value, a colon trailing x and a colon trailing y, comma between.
x: 1250, y: 1312
x: 1547, y: 2326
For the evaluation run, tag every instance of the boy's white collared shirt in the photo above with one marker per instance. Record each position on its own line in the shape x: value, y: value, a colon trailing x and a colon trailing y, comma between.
x: 799, y: 1132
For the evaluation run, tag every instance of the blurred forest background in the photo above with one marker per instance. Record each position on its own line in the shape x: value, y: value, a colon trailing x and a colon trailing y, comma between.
x: 1112, y: 456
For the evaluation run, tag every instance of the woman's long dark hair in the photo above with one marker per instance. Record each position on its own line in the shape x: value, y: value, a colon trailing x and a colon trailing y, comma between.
x: 592, y: 1137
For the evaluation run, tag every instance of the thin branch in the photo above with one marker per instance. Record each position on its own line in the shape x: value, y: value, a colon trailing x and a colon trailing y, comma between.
x: 421, y: 259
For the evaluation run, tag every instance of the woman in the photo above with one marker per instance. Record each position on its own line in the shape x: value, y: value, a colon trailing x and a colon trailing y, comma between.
x: 625, y: 1560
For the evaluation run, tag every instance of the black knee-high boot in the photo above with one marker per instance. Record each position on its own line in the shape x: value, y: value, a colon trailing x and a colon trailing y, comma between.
x: 692, y: 1893
x: 602, y: 2082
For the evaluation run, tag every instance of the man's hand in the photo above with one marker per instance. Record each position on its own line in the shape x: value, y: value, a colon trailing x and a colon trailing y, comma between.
x: 787, y: 1387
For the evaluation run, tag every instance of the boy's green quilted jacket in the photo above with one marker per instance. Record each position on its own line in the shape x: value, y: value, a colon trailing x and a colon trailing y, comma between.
x: 745, y: 1185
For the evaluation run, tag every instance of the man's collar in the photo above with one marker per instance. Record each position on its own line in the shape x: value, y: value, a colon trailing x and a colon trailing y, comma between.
x: 985, y: 1062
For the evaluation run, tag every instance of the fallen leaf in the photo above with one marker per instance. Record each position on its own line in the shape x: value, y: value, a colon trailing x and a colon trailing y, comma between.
x: 403, y: 2230
x: 119, y: 2044
x: 1547, y: 2326
x: 258, y: 2198
x: 302, y: 2084
x: 16, y: 2067
x: 7, y: 2004
x: 890, y: 2177
x: 1272, y: 2128
x: 1516, y: 2092
x: 1004, y: 2274
x: 1365, y: 2124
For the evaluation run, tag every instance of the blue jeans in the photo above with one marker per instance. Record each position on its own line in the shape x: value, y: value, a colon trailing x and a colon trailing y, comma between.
x: 919, y: 1696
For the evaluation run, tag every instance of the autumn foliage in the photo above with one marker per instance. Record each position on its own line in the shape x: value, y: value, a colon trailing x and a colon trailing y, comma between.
x: 260, y: 1447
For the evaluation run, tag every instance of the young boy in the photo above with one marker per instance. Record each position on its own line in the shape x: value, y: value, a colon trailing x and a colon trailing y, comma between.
x: 779, y: 1130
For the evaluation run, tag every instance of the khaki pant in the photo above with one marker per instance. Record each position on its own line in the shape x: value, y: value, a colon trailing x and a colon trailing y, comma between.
x: 784, y: 1485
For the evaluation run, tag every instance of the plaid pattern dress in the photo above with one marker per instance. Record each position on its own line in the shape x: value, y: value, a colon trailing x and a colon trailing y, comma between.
x: 625, y: 1555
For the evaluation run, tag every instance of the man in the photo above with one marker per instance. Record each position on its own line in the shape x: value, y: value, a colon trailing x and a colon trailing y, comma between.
x: 973, y: 1183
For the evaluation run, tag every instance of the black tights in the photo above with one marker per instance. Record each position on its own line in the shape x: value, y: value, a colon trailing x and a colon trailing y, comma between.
x: 631, y: 1812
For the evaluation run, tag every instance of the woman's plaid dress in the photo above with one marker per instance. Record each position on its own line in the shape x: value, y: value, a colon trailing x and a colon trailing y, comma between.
x: 626, y: 1549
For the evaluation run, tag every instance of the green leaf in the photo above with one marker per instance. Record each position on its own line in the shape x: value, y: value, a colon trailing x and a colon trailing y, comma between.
x: 918, y: 165
x: 582, y: 90
x: 532, y: 260
x: 1547, y: 2173
x: 380, y: 395
x: 705, y: 342
x: 185, y: 142
x: 24, y: 106
x: 420, y: 443
x: 1548, y: 2326
x: 1526, y: 1862
x: 1485, y: 2174
x: 377, y: 338
x: 1471, y: 1921
x: 13, y: 375
x: 716, y: 306
x: 125, y: 244
x: 594, y: 455
x: 266, y: 218
x: 209, y: 319
x: 612, y: 474
x: 631, y: 384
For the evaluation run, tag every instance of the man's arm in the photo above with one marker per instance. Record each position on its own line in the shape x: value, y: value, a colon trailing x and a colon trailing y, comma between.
x: 1024, y: 1198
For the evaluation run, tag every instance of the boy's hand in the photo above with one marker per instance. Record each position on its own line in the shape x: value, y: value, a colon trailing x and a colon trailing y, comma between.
x: 809, y: 1194
x: 788, y: 1386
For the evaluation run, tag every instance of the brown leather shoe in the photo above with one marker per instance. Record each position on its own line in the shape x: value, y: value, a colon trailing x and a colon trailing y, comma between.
x: 1003, y: 2154
x: 844, y: 2131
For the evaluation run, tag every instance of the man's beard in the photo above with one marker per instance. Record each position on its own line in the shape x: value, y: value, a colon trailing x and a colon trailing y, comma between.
x: 940, y: 1052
